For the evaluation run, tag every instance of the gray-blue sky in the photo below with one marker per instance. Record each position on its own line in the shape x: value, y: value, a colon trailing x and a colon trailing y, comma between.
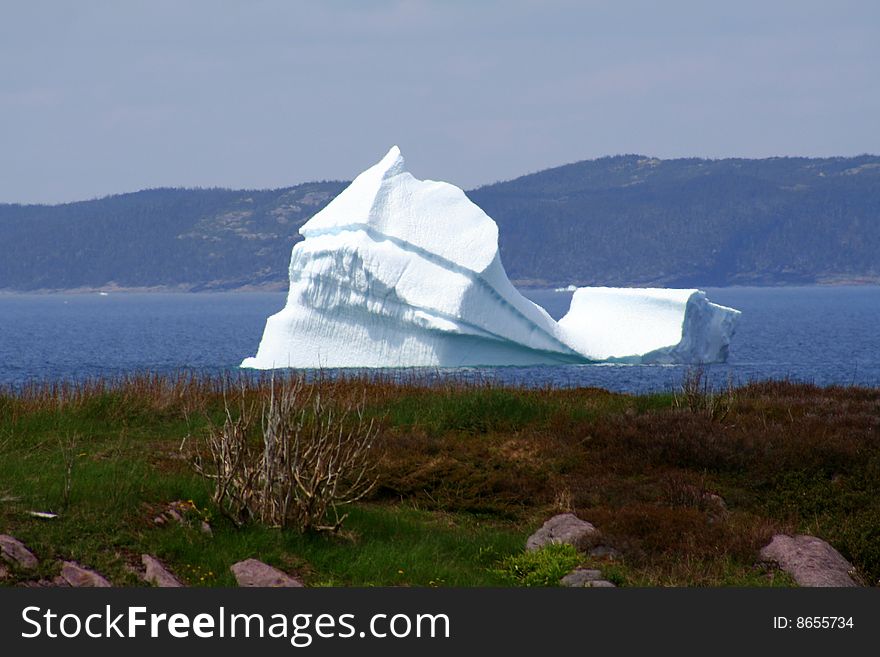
x: 100, y: 97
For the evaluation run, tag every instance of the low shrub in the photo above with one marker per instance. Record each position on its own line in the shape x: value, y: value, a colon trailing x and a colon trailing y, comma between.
x: 309, y: 460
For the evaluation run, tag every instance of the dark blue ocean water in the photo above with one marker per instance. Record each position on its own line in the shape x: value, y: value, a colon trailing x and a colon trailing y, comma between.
x: 825, y: 335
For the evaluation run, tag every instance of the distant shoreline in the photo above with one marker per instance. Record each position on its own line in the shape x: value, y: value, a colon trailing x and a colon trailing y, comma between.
x: 154, y: 289
x: 283, y: 287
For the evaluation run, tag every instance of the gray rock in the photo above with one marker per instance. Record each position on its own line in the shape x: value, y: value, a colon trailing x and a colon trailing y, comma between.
x: 715, y: 503
x: 581, y: 577
x: 79, y: 577
x: 716, y: 507
x: 810, y: 560
x: 174, y: 514
x: 157, y: 575
x: 601, y: 584
x: 57, y: 582
x: 13, y: 551
x: 604, y: 552
x: 183, y: 514
x: 563, y: 528
x: 251, y: 572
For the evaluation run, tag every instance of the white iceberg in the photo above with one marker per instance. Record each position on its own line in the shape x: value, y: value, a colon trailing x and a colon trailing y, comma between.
x: 648, y: 325
x: 400, y: 272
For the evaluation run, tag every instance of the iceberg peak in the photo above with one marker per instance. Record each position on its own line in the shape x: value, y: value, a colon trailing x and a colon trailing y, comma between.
x: 387, y: 200
x: 392, y: 164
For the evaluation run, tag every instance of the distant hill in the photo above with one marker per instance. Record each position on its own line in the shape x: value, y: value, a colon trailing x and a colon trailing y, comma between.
x: 625, y: 220
x: 178, y: 238
x: 636, y: 220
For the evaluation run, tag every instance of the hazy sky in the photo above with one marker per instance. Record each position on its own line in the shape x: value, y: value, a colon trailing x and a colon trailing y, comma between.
x: 101, y: 97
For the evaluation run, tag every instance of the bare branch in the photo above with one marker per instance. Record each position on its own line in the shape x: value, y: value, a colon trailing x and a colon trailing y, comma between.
x: 309, y: 458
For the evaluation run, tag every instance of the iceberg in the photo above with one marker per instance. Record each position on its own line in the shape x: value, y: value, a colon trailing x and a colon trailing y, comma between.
x: 648, y: 325
x: 401, y: 272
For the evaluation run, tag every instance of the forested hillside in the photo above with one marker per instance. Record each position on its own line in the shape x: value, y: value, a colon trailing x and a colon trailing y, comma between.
x: 634, y: 220
x: 187, y: 238
x: 625, y: 220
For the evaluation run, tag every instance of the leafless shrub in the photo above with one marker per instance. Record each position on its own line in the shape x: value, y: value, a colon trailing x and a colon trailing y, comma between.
x: 697, y: 395
x: 309, y: 458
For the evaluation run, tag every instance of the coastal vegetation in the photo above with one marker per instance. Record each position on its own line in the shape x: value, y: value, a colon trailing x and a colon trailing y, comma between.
x: 684, y: 487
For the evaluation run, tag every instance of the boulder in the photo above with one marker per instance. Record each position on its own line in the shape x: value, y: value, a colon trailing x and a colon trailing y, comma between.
x: 562, y: 528
x: 581, y: 577
x: 585, y: 578
x: 157, y: 575
x: 251, y: 572
x: 14, y: 552
x: 78, y: 577
x: 810, y: 560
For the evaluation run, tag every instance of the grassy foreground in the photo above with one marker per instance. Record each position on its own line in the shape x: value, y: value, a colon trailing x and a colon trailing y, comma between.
x: 685, y: 488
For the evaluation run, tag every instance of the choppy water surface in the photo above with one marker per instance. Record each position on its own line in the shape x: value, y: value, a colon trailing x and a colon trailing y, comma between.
x: 826, y: 335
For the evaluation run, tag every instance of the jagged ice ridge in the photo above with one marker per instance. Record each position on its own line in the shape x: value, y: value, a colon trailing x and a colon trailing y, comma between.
x: 401, y: 272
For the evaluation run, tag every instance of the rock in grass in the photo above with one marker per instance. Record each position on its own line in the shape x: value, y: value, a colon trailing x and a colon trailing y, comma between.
x: 585, y: 578
x: 581, y: 577
x: 58, y: 582
x: 604, y: 552
x: 78, y: 577
x: 182, y: 513
x: 157, y: 575
x: 251, y: 572
x: 716, y: 507
x: 562, y: 528
x: 810, y: 560
x: 13, y: 551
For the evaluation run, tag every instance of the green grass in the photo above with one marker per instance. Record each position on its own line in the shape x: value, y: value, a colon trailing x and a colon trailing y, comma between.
x: 466, y: 473
x: 381, y: 546
x: 126, y: 468
x: 542, y: 567
x: 484, y: 410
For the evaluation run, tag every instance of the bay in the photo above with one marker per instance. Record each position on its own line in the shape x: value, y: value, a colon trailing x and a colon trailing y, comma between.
x: 821, y: 335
